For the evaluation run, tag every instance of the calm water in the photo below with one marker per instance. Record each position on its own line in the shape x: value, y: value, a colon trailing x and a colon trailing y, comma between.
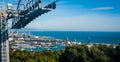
x: 95, y: 37
x: 58, y: 47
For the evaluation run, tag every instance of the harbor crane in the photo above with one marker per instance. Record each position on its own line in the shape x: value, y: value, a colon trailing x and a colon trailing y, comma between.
x: 21, y: 13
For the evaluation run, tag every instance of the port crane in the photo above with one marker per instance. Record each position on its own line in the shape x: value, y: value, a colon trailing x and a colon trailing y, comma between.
x: 22, y: 14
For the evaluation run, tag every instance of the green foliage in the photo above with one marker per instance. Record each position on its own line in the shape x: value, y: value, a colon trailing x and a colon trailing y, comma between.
x: 98, y: 56
x: 79, y: 53
x: 117, y: 56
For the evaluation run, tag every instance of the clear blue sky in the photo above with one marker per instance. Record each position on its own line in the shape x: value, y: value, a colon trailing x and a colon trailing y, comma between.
x: 80, y: 15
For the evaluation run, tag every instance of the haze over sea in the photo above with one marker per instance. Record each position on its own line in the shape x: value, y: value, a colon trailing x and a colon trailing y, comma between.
x: 82, y: 36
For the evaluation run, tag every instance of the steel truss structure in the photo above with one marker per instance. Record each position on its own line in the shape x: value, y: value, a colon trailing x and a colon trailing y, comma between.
x: 25, y: 12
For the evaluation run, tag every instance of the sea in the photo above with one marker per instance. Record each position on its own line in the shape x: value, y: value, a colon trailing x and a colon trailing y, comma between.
x: 82, y: 36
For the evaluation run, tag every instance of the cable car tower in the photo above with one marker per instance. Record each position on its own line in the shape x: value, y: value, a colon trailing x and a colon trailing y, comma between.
x: 24, y: 12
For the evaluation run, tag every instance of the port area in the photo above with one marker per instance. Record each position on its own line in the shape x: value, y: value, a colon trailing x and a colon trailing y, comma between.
x: 37, y: 43
x: 26, y: 41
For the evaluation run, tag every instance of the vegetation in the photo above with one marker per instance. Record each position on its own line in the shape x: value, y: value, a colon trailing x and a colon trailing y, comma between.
x: 80, y: 53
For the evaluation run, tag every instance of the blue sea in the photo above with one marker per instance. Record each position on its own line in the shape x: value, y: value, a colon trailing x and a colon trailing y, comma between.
x: 82, y: 36
x: 58, y: 47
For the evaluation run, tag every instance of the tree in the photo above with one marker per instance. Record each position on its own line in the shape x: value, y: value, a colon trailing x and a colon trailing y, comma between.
x: 98, y: 55
x: 117, y: 56
x: 79, y: 53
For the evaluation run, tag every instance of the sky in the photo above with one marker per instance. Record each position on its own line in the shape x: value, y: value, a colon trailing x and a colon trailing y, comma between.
x: 80, y: 15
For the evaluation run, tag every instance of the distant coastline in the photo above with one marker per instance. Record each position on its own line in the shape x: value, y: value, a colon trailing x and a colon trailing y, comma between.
x: 55, y: 40
x: 81, y: 36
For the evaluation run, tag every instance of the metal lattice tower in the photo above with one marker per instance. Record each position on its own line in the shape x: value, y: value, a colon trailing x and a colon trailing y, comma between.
x: 4, y: 44
x: 31, y: 9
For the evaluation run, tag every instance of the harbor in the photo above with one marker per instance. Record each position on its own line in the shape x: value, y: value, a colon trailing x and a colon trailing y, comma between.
x: 26, y: 41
